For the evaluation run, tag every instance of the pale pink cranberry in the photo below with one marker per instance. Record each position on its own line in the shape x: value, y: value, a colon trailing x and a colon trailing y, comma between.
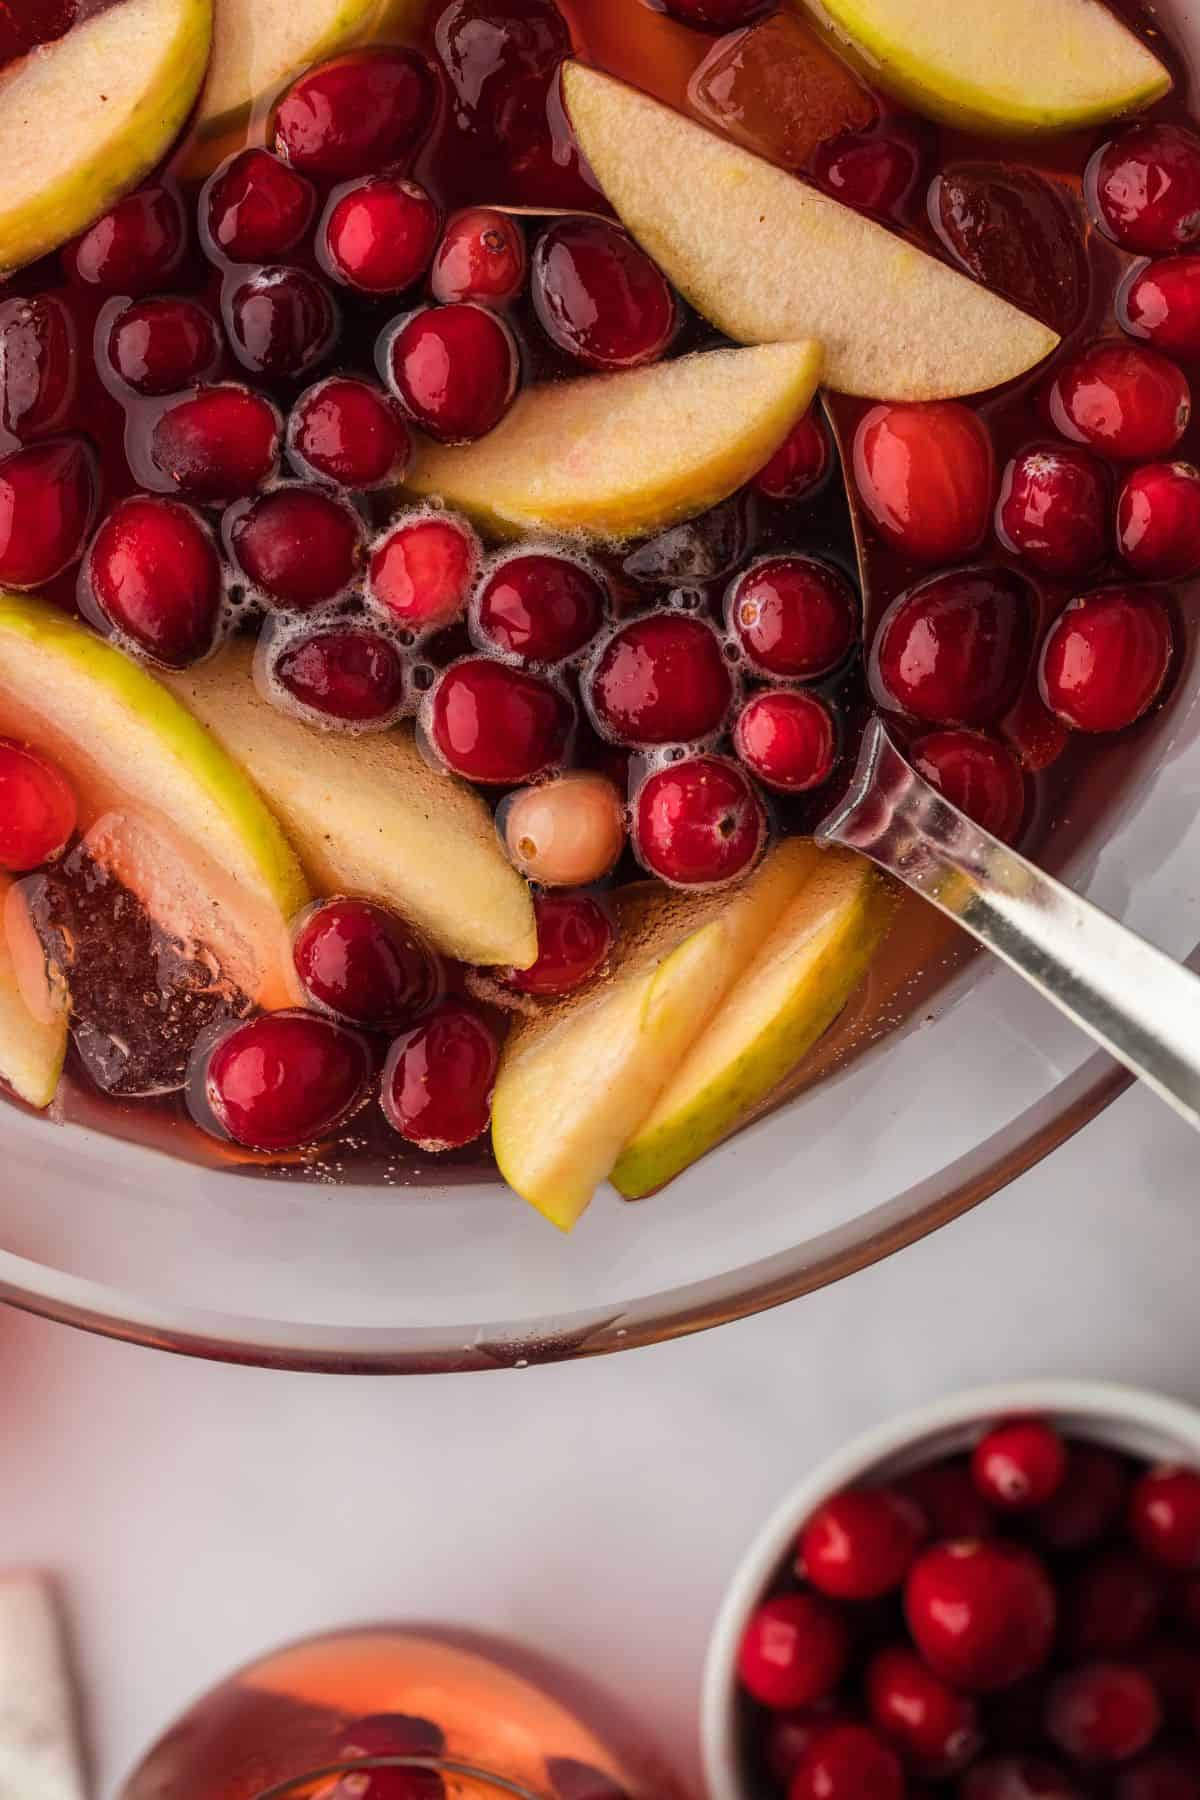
x: 481, y: 258
x: 950, y: 1500
x: 1144, y: 188
x: 298, y: 545
x: 1111, y: 1605
x: 421, y: 570
x: 1053, y: 509
x: 497, y: 725
x: 1018, y: 1465
x: 574, y: 935
x: 155, y: 575
x: 281, y: 322
x: 660, y: 679
x: 599, y: 297
x: 566, y: 832
x: 1164, y: 1516
x: 539, y: 607
x: 699, y: 823
x: 454, y: 369
x: 1128, y: 401
x: 349, y: 432
x: 926, y: 477
x: 1088, y: 1502
x: 48, y: 495
x: 801, y: 462
x: 217, y: 443
x: 848, y: 1762
x: 982, y: 1613
x: 366, y: 965
x: 37, y: 808
x: 795, y: 617
x: 378, y: 235
x: 256, y: 207
x: 794, y: 1651
x: 874, y: 172
x: 160, y: 346
x: 860, y: 1543
x: 1018, y: 1778
x: 38, y: 365
x: 717, y: 15
x: 934, y: 1728
x: 439, y: 1077
x: 347, y: 673
x: 977, y: 775
x: 134, y: 247
x: 788, y: 739
x: 954, y: 649
x: 286, y: 1080
x: 1035, y: 735
x: 1160, y: 302
x: 356, y: 114
x: 1104, y: 1712
x: 1160, y: 1775
x: 1158, y: 520
x: 1106, y: 657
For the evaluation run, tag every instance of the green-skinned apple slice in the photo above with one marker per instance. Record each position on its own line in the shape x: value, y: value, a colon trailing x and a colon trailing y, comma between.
x: 768, y: 259
x: 33, y: 1016
x: 1027, y: 66
x: 84, y: 118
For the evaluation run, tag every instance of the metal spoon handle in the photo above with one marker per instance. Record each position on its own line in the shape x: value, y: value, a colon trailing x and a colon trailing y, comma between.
x: 1139, y: 1003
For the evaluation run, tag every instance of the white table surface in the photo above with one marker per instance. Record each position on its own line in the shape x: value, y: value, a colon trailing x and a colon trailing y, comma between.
x: 196, y: 1514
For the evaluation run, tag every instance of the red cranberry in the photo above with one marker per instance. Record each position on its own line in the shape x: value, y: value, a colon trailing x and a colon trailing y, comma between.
x: 378, y: 235
x: 1160, y: 301
x: 481, y: 257
x: 793, y: 1652
x: 1088, y: 1502
x: 501, y: 57
x: 795, y: 617
x: 1111, y: 1605
x: 37, y: 809
x: 455, y: 369
x: 977, y: 775
x: 1164, y: 1516
x: 859, y: 1543
x: 1188, y: 1604
x: 1174, y: 1672
x: 286, y: 1079
x: 48, y: 495
x: 801, y: 462
x: 1144, y: 187
x: 1106, y: 657
x: 981, y: 1613
x: 392, y: 1734
x: 355, y: 114
x: 698, y: 822
x: 133, y: 248
x: 281, y: 322
x: 871, y: 171
x: 575, y: 935
x: 950, y: 1500
x: 1019, y: 1465
x: 217, y: 443
x: 256, y: 208
x: 1017, y: 1778
x: 421, y: 570
x: 954, y: 649
x: 349, y: 432
x: 1053, y: 509
x: 599, y: 297
x: 497, y: 725
x: 848, y: 1762
x: 1158, y: 520
x: 154, y: 573
x: 298, y: 545
x: 439, y: 1076
x: 160, y: 346
x: 716, y: 15
x: 346, y: 673
x: 1128, y: 401
x: 788, y: 739
x: 365, y: 964
x: 1163, y: 1775
x: 660, y: 679
x: 934, y: 1728
x: 926, y: 477
x: 38, y: 365
x: 540, y: 606
x: 1104, y: 1712
x: 1032, y: 732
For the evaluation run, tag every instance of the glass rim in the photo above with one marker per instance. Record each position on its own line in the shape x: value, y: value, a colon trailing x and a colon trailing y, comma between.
x: 290, y: 1789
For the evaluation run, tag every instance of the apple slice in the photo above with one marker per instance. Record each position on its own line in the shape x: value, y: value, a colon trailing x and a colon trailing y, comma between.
x: 769, y: 259
x: 84, y: 118
x: 1026, y: 66
x: 620, y: 455
x: 790, y: 994
x: 369, y: 815
x: 576, y: 1082
x: 33, y: 1028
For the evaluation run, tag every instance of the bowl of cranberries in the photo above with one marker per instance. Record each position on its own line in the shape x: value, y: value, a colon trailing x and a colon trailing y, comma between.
x: 994, y: 1598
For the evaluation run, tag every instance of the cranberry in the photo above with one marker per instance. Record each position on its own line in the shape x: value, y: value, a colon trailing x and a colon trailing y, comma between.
x: 160, y: 346
x: 1103, y: 1712
x: 575, y: 935
x: 716, y: 15
x: 155, y: 575
x: 1035, y: 735
x: 788, y: 739
x: 1144, y: 187
x: 392, y: 1734
x: 439, y: 1076
x: 1163, y: 1775
x: 599, y: 297
x: 539, y: 606
x: 481, y: 257
x: 794, y: 1651
x: 298, y: 545
x: 346, y: 673
x: 1174, y: 1672
x: 698, y: 823
x: 1017, y: 1778
x: 38, y: 366
x: 1087, y: 1503
x: 1017, y: 233
x: 801, y: 462
x: 217, y: 443
x: 281, y: 322
x: 421, y: 570
x: 1053, y: 509
x: 566, y: 832
x: 48, y: 495
x: 1106, y: 657
x: 37, y: 809
x: 848, y: 1762
x: 365, y: 964
x: 859, y: 1543
x: 954, y: 649
x: 1164, y: 1516
x: 660, y: 679
x: 286, y: 1079
x: 501, y: 56
x: 256, y: 208
x: 977, y: 775
x: 872, y: 171
x: 348, y: 432
x: 455, y: 369
x: 355, y: 114
x: 1111, y: 1605
x: 1158, y: 520
x: 133, y: 248
x: 497, y: 725
x: 926, y: 476
x: 378, y: 235
x: 950, y: 1500
x: 1128, y: 401
x: 1019, y: 1465
x: 794, y: 616
x: 982, y: 1613
x: 1160, y: 301
x: 934, y: 1728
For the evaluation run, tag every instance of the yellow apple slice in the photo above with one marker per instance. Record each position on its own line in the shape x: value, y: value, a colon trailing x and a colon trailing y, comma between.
x: 1026, y: 66
x: 769, y: 259
x: 368, y: 815
x: 789, y: 995
x: 84, y: 118
x: 576, y: 1082
x: 33, y: 1037
x: 616, y: 456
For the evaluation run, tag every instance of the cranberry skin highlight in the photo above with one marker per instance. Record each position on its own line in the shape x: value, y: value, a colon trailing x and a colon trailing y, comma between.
x: 256, y: 208
x: 347, y: 673
x: 800, y: 464
x: 1106, y: 658
x: 981, y: 1613
x: 37, y: 809
x: 1160, y: 303
x: 954, y: 650
x: 286, y: 1080
x: 698, y: 823
x: 1158, y: 520
x: 979, y: 776
x: 660, y: 679
x: 154, y: 574
x: 378, y: 235
x: 439, y: 1077
x: 926, y: 477
x: 859, y: 1544
x: 795, y: 617
x: 1053, y: 509
x: 299, y: 546
x: 280, y: 322
x: 159, y: 346
x: 421, y: 568
x: 216, y: 444
x: 575, y: 936
x: 599, y: 297
x: 496, y: 725
x: 1019, y: 1465
x: 481, y: 258
x: 1164, y: 1517
x: 454, y: 369
x: 539, y: 607
x: 1125, y: 400
x: 788, y: 739
x: 793, y: 1652
x: 356, y: 114
x: 366, y: 965
x: 48, y: 497
x: 134, y: 247
x: 349, y: 433
x: 1144, y: 188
